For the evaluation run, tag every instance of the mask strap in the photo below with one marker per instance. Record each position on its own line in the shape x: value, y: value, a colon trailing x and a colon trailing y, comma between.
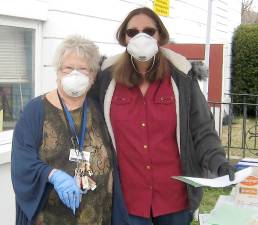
x: 153, y: 61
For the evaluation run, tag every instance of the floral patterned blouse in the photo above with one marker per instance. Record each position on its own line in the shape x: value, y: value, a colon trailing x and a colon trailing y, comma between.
x: 95, y: 206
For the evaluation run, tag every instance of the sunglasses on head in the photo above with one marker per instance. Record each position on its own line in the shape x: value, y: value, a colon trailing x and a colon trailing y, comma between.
x: 131, y: 32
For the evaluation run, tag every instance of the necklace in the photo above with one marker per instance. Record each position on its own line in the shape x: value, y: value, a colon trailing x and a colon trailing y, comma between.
x: 153, y: 61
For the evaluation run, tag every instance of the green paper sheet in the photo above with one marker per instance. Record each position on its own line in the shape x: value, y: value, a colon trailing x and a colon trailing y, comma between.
x: 231, y: 215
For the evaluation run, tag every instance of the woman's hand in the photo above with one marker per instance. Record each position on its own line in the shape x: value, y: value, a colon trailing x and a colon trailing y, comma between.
x: 226, y: 169
x: 66, y: 188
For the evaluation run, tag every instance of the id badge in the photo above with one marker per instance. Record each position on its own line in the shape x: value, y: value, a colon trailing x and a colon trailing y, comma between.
x: 76, y: 155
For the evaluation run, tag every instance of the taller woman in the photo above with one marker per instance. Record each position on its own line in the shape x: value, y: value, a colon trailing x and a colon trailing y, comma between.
x: 159, y: 122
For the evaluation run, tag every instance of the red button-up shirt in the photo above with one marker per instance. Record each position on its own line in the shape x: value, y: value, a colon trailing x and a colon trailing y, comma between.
x: 145, y: 133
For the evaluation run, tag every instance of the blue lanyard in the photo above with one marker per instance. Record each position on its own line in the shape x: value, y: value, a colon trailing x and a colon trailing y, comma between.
x: 70, y: 121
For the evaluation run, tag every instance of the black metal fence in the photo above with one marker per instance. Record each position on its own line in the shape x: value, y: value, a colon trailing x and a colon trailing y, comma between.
x: 237, y: 129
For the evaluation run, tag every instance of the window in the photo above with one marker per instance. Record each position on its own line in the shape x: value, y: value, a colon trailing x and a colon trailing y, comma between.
x: 16, y: 72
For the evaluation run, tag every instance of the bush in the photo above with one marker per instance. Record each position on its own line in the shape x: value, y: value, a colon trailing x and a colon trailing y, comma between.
x: 245, y: 62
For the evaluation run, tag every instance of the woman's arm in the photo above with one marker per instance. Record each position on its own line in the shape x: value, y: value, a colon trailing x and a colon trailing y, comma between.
x: 29, y: 173
x: 206, y: 141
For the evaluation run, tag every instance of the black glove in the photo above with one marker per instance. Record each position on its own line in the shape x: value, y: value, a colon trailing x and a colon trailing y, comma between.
x: 226, y: 169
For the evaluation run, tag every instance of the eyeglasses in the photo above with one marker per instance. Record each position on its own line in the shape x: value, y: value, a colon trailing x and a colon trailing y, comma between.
x: 131, y: 32
x: 69, y: 69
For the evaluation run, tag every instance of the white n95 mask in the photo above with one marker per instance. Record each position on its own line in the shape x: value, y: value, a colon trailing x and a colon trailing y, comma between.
x: 142, y: 47
x: 75, y: 83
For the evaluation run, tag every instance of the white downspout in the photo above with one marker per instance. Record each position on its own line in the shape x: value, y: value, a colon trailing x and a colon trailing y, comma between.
x: 207, y: 48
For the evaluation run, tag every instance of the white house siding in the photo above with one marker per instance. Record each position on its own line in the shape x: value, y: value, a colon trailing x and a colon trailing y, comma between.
x: 98, y: 20
x: 187, y: 21
x: 225, y: 22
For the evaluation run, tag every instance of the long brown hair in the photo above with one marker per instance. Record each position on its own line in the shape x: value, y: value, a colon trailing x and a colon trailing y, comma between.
x: 123, y: 71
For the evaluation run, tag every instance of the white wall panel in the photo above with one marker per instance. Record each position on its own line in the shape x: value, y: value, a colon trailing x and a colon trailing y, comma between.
x: 199, y: 4
x: 109, y: 10
x: 188, y: 31
x: 61, y: 24
x: 29, y: 9
x: 110, y: 49
x: 49, y: 48
x: 233, y: 19
x: 48, y: 79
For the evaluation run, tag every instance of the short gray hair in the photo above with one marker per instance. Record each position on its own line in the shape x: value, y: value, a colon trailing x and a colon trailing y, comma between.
x: 82, y: 47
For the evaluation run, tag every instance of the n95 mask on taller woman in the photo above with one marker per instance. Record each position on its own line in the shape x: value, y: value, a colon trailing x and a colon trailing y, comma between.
x: 142, y: 47
x: 75, y: 83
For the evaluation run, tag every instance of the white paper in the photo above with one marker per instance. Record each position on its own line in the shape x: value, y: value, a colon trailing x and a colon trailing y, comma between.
x: 203, y: 218
x: 216, y: 182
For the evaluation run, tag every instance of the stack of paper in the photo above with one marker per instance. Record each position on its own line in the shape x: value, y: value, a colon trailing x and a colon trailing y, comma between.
x: 226, y: 205
x: 228, y: 214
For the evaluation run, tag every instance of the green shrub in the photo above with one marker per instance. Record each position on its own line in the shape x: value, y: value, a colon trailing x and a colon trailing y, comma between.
x: 245, y: 63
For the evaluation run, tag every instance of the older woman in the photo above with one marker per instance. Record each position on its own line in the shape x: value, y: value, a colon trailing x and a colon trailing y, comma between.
x: 61, y: 162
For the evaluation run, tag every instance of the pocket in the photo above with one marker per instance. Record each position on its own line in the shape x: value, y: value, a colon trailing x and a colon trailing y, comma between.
x: 165, y: 100
x: 121, y: 108
x: 164, y: 108
x: 118, y: 100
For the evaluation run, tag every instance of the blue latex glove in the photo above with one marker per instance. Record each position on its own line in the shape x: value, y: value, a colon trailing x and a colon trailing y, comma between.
x: 66, y: 188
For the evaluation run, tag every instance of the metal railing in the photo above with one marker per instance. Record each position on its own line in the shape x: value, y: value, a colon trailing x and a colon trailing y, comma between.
x: 237, y: 131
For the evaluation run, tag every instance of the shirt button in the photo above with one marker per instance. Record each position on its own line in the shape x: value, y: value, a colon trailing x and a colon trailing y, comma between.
x: 150, y: 187
x: 145, y: 146
x: 148, y: 167
x: 143, y: 124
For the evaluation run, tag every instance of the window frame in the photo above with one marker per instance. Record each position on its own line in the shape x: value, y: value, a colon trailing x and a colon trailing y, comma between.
x: 6, y: 136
